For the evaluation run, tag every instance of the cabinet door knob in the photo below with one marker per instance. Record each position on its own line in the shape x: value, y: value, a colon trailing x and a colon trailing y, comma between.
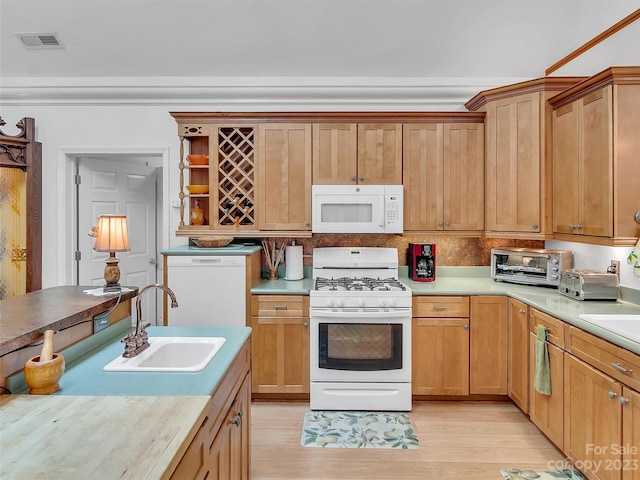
x: 440, y: 224
x: 521, y: 311
x: 624, y: 401
x: 361, y: 178
x: 447, y: 223
x: 466, y: 326
x: 306, y: 324
x: 534, y: 225
x: 612, y: 394
x: 353, y: 178
x: 308, y: 224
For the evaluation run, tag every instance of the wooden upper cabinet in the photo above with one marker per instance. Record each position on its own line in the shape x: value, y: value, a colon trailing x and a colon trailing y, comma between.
x: 463, y: 176
x: 596, y: 176
x: 380, y: 153
x: 351, y: 153
x: 518, y: 157
x: 335, y: 153
x: 423, y: 170
x: 565, y: 169
x: 514, y: 164
x: 284, y: 176
x: 443, y: 176
x: 583, y: 152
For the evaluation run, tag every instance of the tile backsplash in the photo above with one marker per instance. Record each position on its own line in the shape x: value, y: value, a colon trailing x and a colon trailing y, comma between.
x: 450, y: 251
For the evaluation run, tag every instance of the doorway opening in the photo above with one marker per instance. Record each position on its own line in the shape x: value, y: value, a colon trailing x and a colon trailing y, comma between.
x: 127, y: 182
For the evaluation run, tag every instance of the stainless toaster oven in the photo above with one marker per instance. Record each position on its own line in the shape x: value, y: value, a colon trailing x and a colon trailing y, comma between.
x: 530, y: 266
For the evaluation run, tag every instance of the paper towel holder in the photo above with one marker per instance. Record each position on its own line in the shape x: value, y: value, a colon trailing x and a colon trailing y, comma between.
x: 294, y: 268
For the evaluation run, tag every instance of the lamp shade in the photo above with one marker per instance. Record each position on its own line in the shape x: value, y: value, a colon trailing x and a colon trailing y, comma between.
x: 111, y: 234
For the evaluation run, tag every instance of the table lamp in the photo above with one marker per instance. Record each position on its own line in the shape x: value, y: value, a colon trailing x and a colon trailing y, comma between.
x: 111, y: 236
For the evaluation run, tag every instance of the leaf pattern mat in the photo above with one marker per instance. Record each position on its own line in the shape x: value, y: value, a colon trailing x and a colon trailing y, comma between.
x: 517, y: 474
x: 329, y: 429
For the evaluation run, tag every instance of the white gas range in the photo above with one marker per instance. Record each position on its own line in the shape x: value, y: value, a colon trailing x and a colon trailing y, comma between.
x: 360, y: 337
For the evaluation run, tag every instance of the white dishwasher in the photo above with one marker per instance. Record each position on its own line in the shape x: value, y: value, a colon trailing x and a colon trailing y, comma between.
x: 210, y: 290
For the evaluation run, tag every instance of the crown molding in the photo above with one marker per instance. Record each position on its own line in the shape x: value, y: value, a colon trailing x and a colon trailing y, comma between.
x: 251, y: 94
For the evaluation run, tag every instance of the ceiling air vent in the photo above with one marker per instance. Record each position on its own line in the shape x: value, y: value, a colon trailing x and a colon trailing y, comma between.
x: 40, y: 40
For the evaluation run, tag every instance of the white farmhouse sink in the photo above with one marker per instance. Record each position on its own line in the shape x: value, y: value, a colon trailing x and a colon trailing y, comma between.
x: 627, y: 326
x: 170, y: 354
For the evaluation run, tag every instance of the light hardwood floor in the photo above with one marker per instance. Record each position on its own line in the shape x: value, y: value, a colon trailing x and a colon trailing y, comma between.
x: 458, y: 440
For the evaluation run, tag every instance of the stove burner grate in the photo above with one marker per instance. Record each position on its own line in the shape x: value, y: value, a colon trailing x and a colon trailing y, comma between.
x: 364, y: 284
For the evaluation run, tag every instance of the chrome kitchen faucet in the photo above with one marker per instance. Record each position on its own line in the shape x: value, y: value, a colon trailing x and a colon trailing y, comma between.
x: 138, y: 342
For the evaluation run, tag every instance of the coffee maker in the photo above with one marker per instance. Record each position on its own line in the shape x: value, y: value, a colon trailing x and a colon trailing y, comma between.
x: 421, y: 259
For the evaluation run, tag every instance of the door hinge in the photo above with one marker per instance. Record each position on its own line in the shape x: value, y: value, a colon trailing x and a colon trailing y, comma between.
x: 78, y: 256
x: 77, y: 179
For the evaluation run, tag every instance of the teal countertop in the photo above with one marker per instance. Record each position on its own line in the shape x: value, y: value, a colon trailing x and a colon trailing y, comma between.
x: 229, y: 250
x: 87, y: 377
x: 478, y: 281
x: 283, y: 287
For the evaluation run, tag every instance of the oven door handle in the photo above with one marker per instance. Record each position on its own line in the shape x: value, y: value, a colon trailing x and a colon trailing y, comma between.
x: 351, y: 315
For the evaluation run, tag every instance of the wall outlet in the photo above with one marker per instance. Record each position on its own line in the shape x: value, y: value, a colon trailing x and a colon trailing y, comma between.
x: 614, y: 267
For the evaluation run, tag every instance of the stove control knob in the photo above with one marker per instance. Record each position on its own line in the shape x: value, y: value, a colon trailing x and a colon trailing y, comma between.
x: 339, y: 302
x: 361, y: 302
x: 392, y: 302
x: 330, y: 302
x: 382, y: 302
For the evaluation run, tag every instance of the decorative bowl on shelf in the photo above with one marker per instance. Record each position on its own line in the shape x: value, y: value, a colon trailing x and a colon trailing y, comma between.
x: 195, y: 159
x: 212, y: 242
x: 198, y: 188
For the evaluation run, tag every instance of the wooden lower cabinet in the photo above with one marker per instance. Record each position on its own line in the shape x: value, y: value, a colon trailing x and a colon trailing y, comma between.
x: 488, y: 345
x: 440, y: 346
x: 440, y: 356
x: 518, y: 354
x: 546, y: 411
x: 220, y: 448
x: 230, y: 449
x: 592, y: 420
x: 630, y: 434
x: 280, y: 344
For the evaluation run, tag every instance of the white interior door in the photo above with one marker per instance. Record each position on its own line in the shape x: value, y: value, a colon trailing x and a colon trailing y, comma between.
x: 114, y: 187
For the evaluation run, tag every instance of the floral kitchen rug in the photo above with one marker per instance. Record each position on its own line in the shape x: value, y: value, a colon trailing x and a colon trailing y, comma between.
x: 330, y: 429
x: 516, y: 474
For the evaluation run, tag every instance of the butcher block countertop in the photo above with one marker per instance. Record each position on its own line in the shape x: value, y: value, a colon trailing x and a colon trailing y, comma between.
x: 80, y: 437
x: 26, y: 317
x: 112, y: 425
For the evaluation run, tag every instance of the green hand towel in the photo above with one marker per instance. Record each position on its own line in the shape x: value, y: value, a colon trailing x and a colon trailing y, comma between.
x: 542, y: 375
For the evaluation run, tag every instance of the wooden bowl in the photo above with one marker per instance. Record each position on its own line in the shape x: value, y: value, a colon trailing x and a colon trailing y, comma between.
x: 198, y: 188
x: 217, y: 242
x: 43, y: 377
x: 198, y: 159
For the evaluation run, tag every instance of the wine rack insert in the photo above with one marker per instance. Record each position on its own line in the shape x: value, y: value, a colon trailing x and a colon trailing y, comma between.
x: 230, y: 175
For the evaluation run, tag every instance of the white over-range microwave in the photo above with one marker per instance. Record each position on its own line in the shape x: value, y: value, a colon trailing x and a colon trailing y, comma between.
x: 357, y: 209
